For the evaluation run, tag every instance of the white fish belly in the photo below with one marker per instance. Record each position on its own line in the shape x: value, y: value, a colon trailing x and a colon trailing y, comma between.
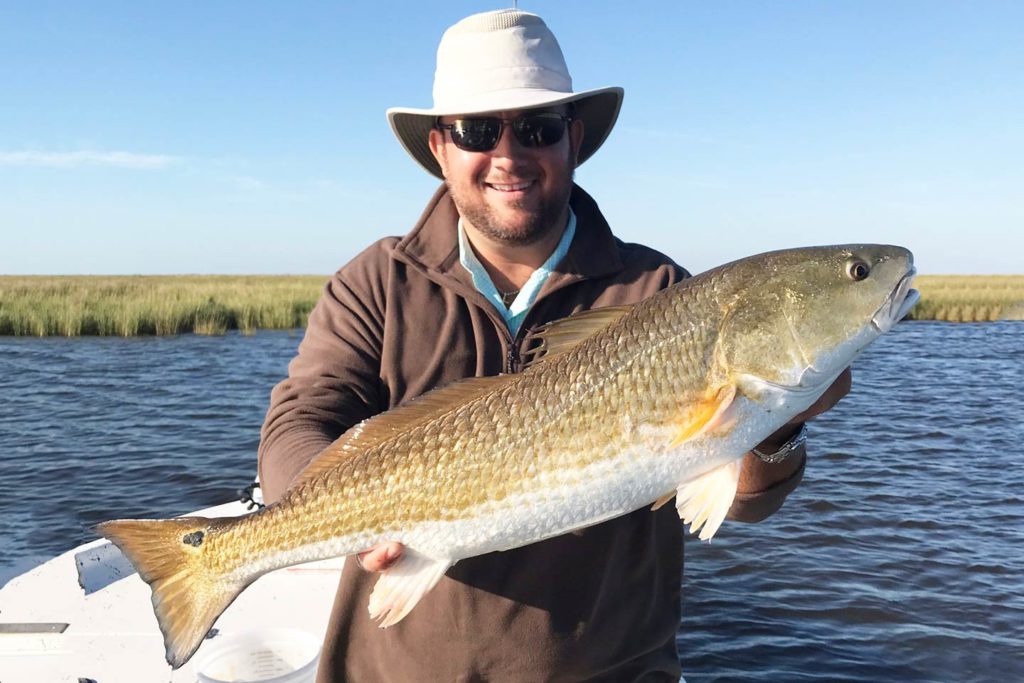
x: 563, y: 501
x: 566, y: 501
x: 309, y: 552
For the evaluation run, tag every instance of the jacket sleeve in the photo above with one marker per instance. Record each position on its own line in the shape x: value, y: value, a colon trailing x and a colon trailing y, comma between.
x: 755, y: 506
x: 332, y: 384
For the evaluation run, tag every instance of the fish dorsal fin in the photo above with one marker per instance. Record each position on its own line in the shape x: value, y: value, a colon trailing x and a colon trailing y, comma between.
x: 379, y: 428
x: 558, y: 337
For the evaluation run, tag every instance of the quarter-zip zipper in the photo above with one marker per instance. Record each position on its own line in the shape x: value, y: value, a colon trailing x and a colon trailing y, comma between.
x: 512, y: 357
x: 513, y: 361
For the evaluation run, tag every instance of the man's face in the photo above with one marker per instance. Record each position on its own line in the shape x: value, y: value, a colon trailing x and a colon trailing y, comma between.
x: 512, y: 194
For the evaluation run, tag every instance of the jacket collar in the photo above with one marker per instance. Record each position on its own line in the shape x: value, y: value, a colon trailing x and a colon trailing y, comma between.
x: 433, y: 243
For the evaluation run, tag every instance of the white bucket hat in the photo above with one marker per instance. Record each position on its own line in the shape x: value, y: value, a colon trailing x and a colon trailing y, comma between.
x: 499, y: 61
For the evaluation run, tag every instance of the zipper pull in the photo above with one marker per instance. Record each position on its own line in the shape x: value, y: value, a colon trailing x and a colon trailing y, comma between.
x: 513, y: 358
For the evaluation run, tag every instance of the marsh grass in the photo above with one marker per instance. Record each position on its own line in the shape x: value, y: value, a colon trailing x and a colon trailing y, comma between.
x: 969, y: 298
x: 129, y: 306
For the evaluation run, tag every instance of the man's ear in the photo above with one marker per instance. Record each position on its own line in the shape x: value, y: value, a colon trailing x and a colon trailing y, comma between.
x: 575, y: 140
x: 437, y: 147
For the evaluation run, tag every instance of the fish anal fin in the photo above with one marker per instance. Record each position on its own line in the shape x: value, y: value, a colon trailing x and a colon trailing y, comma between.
x: 710, y: 413
x: 704, y: 502
x: 402, y: 585
x: 379, y: 428
x: 558, y: 337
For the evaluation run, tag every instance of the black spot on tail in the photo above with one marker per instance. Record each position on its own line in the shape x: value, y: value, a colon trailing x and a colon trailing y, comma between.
x: 194, y: 539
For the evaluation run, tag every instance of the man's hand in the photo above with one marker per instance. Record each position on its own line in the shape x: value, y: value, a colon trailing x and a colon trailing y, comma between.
x: 758, y: 478
x: 380, y: 557
x: 828, y: 400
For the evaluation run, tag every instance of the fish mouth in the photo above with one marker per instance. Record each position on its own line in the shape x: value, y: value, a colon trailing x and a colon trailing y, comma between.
x: 898, y: 304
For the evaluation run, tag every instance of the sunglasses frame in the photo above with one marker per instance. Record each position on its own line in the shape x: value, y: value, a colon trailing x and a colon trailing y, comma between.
x: 566, y: 120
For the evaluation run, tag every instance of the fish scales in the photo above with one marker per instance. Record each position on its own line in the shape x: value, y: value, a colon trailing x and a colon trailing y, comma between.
x: 443, y: 469
x: 631, y: 405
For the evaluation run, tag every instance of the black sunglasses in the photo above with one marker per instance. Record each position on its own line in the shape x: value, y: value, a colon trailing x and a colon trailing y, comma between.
x: 481, y: 134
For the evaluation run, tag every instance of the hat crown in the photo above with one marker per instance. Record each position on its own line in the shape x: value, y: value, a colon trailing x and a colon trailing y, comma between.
x: 504, y: 50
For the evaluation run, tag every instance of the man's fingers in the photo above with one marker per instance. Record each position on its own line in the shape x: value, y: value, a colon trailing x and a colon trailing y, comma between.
x: 380, y: 557
x: 828, y: 400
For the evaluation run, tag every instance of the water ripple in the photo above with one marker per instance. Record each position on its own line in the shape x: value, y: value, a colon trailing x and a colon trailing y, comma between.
x: 900, y: 557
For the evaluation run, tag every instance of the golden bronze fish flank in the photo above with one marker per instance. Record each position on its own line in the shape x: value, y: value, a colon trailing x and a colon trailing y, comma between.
x: 619, y: 407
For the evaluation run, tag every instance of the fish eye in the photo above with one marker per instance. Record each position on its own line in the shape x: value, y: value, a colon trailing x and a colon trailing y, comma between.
x: 857, y: 269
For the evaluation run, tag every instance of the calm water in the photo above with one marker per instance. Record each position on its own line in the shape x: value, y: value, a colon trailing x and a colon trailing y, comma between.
x: 900, y: 558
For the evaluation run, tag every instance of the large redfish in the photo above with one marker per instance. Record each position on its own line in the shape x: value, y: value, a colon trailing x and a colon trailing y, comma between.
x: 621, y: 407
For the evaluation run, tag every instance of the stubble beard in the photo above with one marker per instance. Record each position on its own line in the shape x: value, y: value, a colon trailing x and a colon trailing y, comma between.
x: 539, y: 223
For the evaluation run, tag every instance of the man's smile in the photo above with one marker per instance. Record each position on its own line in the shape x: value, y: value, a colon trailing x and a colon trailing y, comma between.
x: 511, y: 187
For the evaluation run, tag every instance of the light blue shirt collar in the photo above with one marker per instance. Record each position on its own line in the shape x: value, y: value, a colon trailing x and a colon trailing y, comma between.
x: 515, y: 313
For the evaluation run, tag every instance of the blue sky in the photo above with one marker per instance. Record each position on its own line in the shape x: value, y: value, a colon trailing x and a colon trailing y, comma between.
x: 250, y: 137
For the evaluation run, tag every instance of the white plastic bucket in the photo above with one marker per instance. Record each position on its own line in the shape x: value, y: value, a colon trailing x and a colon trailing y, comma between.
x: 266, y: 656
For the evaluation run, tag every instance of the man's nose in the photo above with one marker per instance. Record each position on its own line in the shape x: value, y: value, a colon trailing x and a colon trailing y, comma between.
x: 508, y: 146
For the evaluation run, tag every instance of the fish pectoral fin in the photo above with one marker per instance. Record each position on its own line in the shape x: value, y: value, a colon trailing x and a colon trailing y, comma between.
x: 706, y: 415
x: 402, y: 585
x: 703, y: 502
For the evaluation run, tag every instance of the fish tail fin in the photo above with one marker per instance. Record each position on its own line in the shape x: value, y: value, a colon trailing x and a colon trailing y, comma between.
x: 189, y: 591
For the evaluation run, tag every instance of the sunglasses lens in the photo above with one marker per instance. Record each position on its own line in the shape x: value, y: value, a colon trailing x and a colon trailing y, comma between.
x: 476, y: 135
x: 531, y: 130
x: 539, y: 130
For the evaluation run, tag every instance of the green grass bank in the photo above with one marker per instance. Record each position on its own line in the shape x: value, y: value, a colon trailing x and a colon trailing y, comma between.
x: 128, y: 306
x: 969, y: 298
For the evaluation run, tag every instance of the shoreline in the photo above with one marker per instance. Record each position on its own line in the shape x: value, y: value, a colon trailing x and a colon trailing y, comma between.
x: 167, y: 305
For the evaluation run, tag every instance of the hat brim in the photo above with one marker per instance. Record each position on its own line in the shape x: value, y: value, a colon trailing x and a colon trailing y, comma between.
x: 598, y: 109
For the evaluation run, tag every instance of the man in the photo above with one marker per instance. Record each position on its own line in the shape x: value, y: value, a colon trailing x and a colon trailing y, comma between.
x: 506, y: 244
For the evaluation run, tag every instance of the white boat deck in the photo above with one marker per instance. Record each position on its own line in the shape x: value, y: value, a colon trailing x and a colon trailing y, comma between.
x: 111, y: 634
